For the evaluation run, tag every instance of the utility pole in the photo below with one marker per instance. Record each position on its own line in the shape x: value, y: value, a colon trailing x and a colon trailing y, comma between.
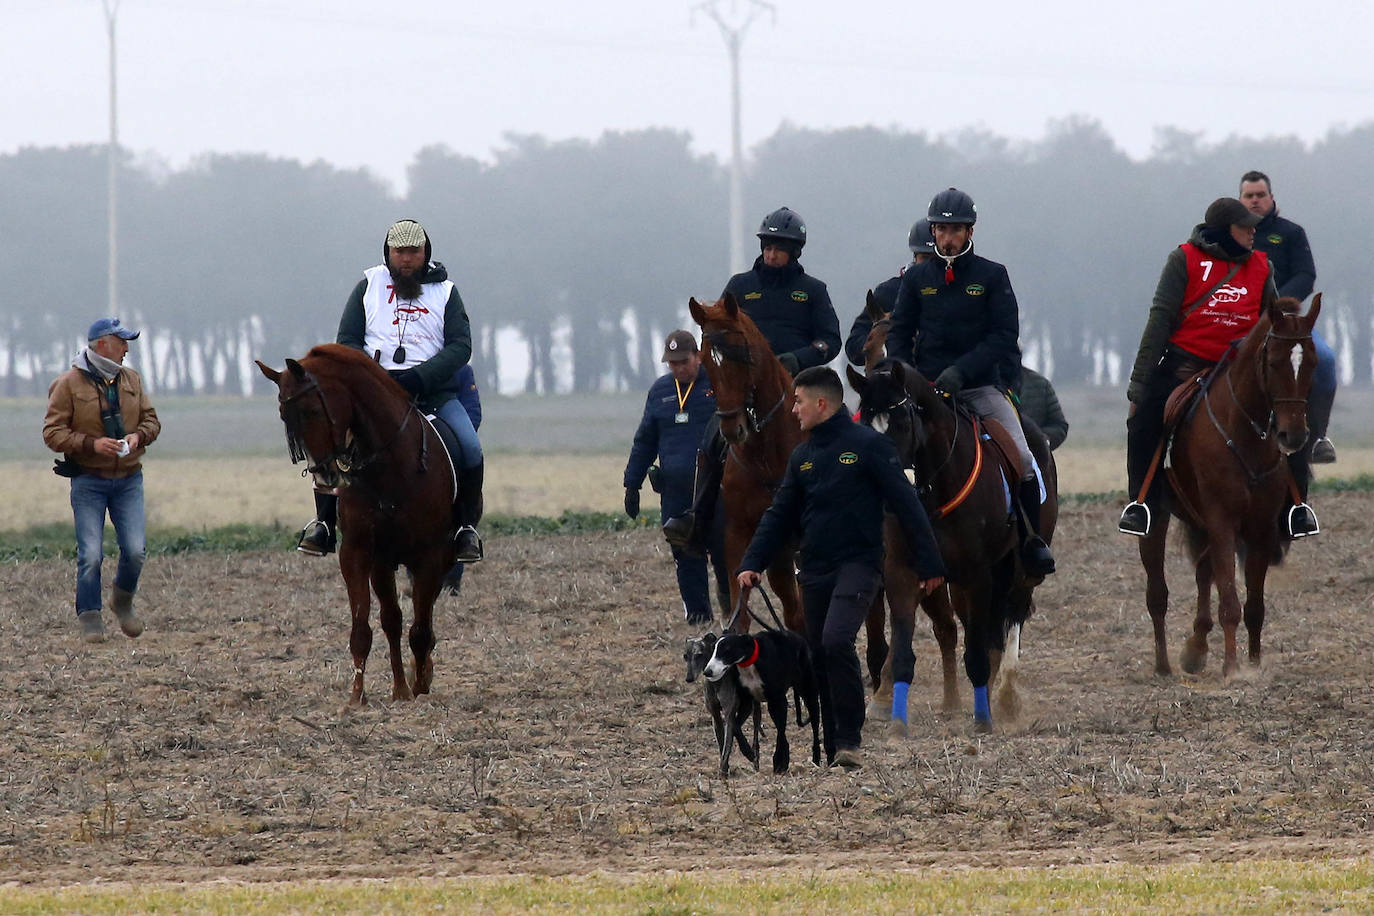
x: 732, y: 29
x: 112, y: 220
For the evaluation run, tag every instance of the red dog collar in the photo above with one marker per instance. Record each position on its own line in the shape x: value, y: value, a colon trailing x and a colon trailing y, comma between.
x: 754, y: 656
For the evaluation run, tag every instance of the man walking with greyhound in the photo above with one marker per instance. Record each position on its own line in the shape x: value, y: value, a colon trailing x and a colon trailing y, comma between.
x: 839, y: 480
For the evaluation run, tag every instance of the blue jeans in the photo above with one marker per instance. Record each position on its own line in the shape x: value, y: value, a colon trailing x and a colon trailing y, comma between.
x: 1323, y: 393
x: 92, y: 498
x: 453, y: 413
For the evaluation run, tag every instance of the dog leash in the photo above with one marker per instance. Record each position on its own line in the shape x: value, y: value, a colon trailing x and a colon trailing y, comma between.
x: 744, y: 606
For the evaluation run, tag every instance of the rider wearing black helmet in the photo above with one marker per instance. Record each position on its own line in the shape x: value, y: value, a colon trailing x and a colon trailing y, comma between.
x: 956, y: 320
x: 922, y: 245
x: 792, y: 309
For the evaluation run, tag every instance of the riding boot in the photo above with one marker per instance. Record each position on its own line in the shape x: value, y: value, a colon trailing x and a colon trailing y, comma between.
x: 1140, y: 451
x: 319, y: 537
x: 689, y: 531
x: 1300, y: 520
x: 1035, y: 553
x: 468, y: 512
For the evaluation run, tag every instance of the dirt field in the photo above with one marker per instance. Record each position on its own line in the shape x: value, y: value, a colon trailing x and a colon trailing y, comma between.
x: 561, y: 739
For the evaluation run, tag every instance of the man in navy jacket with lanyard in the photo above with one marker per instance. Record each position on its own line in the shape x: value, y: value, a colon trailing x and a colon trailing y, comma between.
x: 676, y: 411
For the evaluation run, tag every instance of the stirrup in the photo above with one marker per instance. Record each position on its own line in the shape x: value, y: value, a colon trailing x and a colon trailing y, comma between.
x: 1302, y: 522
x: 1130, y: 525
x: 309, y: 545
x: 469, y: 545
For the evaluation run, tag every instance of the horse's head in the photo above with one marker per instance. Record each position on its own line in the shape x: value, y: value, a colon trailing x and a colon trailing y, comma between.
x: 317, y: 411
x: 1288, y: 360
x: 737, y: 358
x: 888, y: 405
x: 875, y: 345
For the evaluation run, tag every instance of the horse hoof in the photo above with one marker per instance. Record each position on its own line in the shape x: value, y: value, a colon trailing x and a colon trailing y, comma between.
x: 1009, y: 706
x: 897, y: 729
x: 879, y: 711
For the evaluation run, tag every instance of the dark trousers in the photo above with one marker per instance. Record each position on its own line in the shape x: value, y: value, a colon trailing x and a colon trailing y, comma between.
x: 693, y: 578
x: 836, y: 605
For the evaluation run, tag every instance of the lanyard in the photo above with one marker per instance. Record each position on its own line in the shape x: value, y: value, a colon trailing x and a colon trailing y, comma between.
x: 682, y: 398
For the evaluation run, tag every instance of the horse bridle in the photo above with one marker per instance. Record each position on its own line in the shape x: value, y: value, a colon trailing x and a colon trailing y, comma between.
x: 1262, y: 374
x: 927, y: 489
x: 344, y: 456
x: 740, y: 353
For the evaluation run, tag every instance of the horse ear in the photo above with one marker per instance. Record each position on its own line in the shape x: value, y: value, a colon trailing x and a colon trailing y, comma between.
x: 857, y: 381
x: 899, y: 372
x: 696, y: 310
x: 731, y: 305
x: 1313, y: 311
x: 272, y: 374
x: 873, y: 309
x: 296, y: 368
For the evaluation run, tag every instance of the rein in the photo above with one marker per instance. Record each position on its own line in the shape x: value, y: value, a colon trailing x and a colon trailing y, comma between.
x: 343, y: 457
x: 1261, y: 432
x: 963, y: 493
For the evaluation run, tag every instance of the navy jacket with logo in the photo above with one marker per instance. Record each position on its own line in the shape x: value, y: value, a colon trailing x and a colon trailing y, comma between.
x: 674, y: 444
x: 791, y: 308
x: 1285, y: 242
x: 971, y: 322
x: 836, y: 485
x: 885, y: 293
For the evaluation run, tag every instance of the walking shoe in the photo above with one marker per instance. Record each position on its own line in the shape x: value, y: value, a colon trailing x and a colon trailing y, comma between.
x: 317, y: 539
x: 469, y: 544
x: 1302, y: 522
x: 1323, y: 452
x: 92, y: 627
x: 1135, y: 519
x: 848, y: 758
x: 122, y: 603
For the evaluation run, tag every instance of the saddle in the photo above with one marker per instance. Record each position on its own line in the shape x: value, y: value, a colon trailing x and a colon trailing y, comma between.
x: 1008, y: 456
x: 450, y: 443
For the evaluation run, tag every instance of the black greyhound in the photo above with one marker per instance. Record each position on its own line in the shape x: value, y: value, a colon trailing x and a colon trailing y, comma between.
x: 768, y: 665
x: 727, y: 701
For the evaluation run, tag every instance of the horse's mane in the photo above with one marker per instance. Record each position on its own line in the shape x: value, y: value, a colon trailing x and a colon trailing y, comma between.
x: 352, y: 368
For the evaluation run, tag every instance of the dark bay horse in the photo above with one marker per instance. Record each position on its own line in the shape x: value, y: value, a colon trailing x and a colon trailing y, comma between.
x: 966, y: 492
x: 359, y: 431
x: 1230, y: 483
x: 754, y: 403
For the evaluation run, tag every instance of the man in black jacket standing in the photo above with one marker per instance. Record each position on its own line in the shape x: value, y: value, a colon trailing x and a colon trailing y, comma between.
x: 839, y: 480
x: 1295, y: 273
x: 793, y: 311
x: 956, y: 320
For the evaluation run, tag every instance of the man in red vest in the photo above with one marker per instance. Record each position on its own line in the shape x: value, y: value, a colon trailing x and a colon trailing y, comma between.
x: 1212, y: 291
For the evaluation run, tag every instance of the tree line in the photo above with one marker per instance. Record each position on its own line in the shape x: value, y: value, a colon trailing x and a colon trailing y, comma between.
x: 589, y: 249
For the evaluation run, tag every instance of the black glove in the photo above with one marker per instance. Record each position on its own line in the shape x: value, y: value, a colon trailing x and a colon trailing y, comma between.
x: 632, y: 502
x: 408, y: 379
x: 790, y: 363
x: 951, y: 381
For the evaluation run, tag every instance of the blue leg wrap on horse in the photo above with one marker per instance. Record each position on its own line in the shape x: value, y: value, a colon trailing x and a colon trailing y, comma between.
x: 899, y: 691
x: 981, y: 711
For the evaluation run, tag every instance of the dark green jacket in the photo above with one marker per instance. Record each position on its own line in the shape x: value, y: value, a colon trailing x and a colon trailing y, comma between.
x: 1041, y: 404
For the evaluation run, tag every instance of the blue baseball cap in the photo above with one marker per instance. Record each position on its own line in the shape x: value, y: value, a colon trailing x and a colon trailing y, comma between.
x: 107, y: 326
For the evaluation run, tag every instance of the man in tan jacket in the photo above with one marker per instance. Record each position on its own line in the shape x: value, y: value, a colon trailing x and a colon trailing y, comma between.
x: 100, y: 419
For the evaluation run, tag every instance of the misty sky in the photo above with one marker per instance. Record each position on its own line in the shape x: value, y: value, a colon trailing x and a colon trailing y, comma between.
x: 347, y: 82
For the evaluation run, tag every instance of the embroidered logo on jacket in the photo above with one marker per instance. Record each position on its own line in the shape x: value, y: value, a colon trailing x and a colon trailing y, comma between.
x: 799, y: 295
x: 975, y: 289
x: 805, y: 466
x: 1274, y: 239
x: 848, y: 458
x: 753, y: 295
x: 928, y: 291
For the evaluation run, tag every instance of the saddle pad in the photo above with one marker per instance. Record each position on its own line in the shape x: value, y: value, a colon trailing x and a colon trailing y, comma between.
x: 444, y: 433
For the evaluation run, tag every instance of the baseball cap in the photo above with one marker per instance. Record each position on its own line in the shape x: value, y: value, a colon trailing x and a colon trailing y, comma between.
x: 680, y: 345
x: 406, y: 233
x: 1227, y: 211
x: 107, y: 326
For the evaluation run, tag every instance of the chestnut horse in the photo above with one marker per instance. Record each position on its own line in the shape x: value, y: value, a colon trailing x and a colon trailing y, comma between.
x: 1230, y: 482
x: 754, y: 403
x: 361, y: 433
x: 965, y: 491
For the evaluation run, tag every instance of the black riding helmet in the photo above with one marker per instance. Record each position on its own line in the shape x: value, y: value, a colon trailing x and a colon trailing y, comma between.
x: 406, y: 231
x: 952, y: 206
x: 921, y: 240
x: 785, y: 225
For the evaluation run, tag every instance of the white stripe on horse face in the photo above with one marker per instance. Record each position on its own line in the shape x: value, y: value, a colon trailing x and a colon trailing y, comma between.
x: 879, y: 423
x: 1296, y: 357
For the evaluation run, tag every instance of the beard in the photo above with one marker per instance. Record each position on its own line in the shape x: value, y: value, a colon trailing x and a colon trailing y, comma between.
x: 407, y: 285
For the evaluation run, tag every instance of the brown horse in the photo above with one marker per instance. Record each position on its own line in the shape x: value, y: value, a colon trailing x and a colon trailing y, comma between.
x: 754, y: 403
x: 1230, y: 482
x: 361, y: 433
x: 965, y: 491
